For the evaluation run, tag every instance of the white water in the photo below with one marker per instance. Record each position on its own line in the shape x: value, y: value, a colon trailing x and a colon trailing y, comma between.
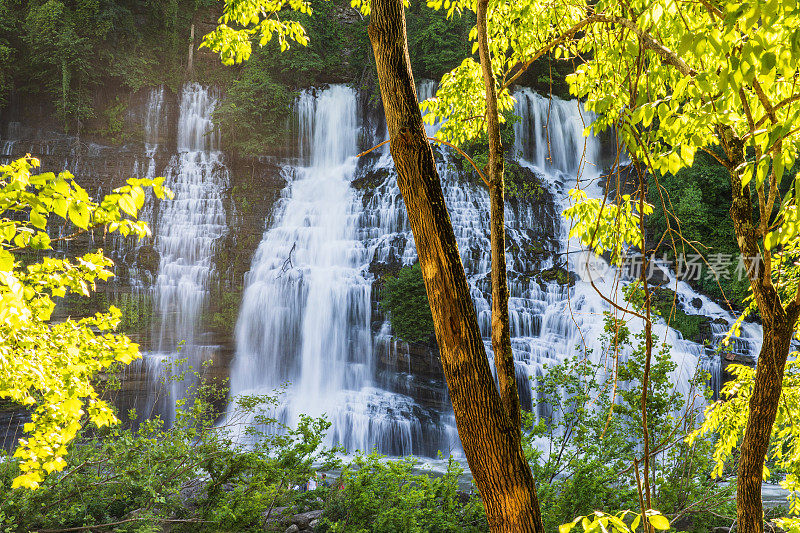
x: 186, y: 229
x: 306, y: 314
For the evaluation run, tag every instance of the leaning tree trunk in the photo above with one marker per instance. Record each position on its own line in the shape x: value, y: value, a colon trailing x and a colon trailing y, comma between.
x: 777, y: 327
x: 491, y: 441
x: 501, y: 330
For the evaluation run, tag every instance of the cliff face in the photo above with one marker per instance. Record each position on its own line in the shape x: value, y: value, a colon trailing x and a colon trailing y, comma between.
x: 153, y: 141
x: 279, y: 259
x: 102, y: 161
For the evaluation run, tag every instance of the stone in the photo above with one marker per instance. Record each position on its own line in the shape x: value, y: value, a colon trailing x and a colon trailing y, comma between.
x: 559, y: 275
x: 302, y: 520
x: 191, y: 492
x: 292, y: 529
x: 148, y: 258
x: 658, y: 276
x: 313, y: 524
x: 277, y: 518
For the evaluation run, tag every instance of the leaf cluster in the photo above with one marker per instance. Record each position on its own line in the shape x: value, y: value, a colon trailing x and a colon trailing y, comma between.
x: 44, y: 366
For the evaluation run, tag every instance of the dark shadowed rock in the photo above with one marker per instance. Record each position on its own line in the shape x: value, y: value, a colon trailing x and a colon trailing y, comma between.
x: 148, y: 258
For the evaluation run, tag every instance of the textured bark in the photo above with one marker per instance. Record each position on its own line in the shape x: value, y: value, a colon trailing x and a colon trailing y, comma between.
x: 777, y: 326
x: 501, y: 329
x: 491, y: 441
x: 761, y: 416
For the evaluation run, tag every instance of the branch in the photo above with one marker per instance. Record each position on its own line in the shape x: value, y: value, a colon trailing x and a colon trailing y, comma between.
x: 649, y: 42
x: 712, y: 9
x: 786, y: 101
x: 460, y: 151
x: 765, y: 101
x: 552, y: 44
x: 451, y: 145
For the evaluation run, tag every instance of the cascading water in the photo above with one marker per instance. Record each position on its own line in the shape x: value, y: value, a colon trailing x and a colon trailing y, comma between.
x: 549, y: 139
x: 186, y: 229
x: 306, y: 315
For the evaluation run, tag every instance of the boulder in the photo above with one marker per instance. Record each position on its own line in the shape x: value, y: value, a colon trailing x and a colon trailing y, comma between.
x: 303, y: 520
x: 292, y: 529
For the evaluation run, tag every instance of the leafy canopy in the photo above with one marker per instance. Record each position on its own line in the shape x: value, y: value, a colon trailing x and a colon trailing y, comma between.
x: 44, y: 366
x: 243, y: 21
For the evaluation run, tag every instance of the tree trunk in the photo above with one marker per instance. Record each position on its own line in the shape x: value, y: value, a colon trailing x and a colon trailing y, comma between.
x: 762, y: 410
x: 501, y: 329
x: 777, y: 327
x: 491, y: 442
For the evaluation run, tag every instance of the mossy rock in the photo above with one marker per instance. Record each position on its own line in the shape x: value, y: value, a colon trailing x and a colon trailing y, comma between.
x: 558, y: 274
x: 696, y: 328
x: 370, y: 181
x: 535, y: 248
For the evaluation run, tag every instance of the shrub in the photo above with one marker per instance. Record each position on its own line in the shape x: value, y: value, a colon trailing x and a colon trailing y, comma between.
x: 379, y: 496
x: 594, y: 432
x: 405, y: 299
x: 192, y: 476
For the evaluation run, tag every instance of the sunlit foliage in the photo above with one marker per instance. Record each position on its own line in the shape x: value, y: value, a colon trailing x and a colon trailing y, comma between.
x: 48, y: 367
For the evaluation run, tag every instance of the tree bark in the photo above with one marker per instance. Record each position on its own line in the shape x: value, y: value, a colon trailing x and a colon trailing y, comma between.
x: 777, y: 327
x: 762, y: 410
x: 501, y: 329
x: 492, y: 444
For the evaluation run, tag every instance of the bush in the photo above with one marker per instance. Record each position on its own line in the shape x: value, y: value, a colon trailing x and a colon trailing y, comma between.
x: 405, y: 299
x: 254, y: 112
x: 191, y: 477
x: 594, y: 432
x: 379, y: 496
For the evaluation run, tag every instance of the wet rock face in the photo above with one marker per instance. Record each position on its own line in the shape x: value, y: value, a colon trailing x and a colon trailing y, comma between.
x: 558, y: 274
x: 147, y: 259
x: 100, y: 164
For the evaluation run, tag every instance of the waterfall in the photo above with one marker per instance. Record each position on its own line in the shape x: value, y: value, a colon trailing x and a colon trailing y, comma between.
x: 306, y: 314
x: 306, y: 311
x: 185, y: 231
x: 549, y: 139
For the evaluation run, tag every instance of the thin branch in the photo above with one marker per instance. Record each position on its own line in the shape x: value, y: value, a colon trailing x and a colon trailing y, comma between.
x: 549, y: 46
x: 460, y: 151
x: 714, y: 10
x: 440, y: 141
x: 373, y: 148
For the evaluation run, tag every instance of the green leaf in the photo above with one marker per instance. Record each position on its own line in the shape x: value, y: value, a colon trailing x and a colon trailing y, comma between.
x: 6, y: 261
x: 79, y: 215
x: 60, y: 206
x: 127, y: 204
x: 38, y: 220
x: 659, y: 521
